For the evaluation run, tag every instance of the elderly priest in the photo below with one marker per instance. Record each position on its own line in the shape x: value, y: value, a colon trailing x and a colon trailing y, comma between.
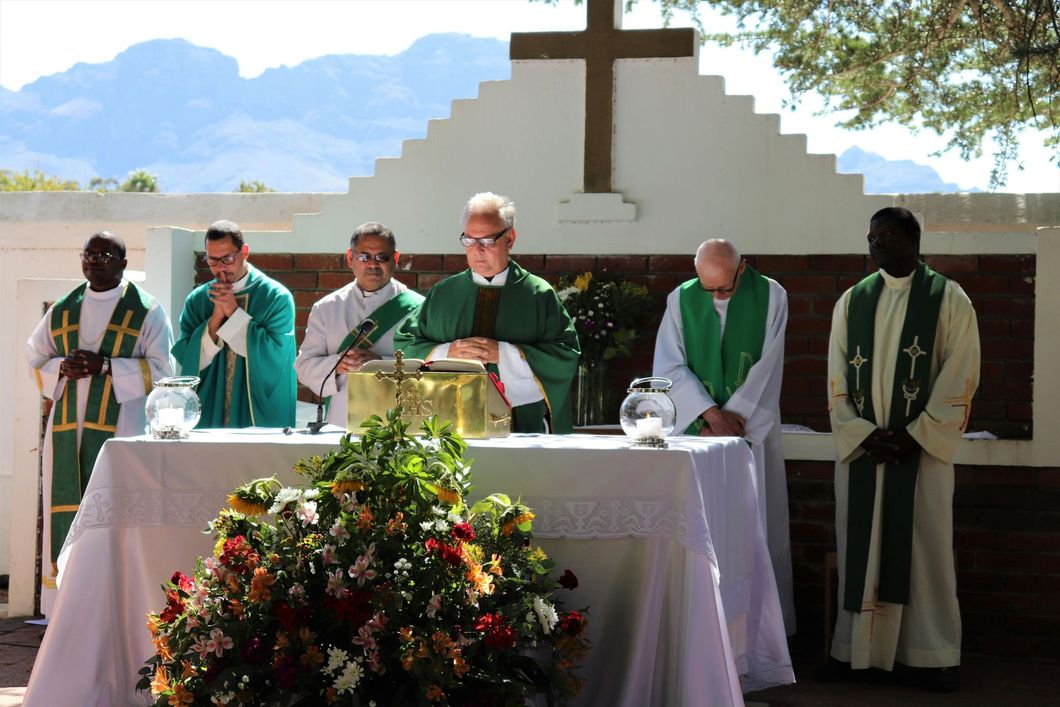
x: 721, y: 342
x: 237, y: 335
x: 374, y: 303
x: 96, y: 353
x: 498, y: 313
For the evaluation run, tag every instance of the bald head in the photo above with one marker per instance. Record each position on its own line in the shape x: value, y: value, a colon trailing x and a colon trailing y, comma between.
x: 718, y: 265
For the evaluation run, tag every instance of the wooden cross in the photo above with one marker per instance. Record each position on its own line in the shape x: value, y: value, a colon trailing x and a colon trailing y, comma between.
x: 599, y: 45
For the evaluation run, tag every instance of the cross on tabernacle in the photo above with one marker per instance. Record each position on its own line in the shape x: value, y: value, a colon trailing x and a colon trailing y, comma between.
x: 599, y: 45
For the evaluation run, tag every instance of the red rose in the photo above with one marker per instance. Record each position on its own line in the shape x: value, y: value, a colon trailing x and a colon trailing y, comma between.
x: 572, y: 623
x: 463, y: 531
x: 451, y: 554
x: 568, y: 580
x: 501, y: 638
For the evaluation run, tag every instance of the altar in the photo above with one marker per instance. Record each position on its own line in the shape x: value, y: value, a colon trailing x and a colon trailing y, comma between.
x: 667, y: 544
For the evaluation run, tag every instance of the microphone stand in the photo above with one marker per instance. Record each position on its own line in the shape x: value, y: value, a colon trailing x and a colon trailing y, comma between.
x: 366, y: 328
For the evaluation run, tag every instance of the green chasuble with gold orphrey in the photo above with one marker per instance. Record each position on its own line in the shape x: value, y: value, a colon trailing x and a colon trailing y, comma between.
x: 72, y: 462
x: 261, y: 388
x: 722, y: 361
x: 527, y: 314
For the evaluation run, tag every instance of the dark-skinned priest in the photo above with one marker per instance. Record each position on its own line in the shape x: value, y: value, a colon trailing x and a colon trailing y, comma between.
x: 237, y: 335
x: 97, y: 353
x: 903, y: 364
x: 498, y: 313
x: 721, y: 342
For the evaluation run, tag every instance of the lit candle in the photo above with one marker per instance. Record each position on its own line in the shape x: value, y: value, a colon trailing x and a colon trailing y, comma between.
x: 170, y: 417
x: 649, y: 427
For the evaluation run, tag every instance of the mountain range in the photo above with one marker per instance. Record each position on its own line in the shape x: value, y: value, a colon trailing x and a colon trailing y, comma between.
x: 183, y: 113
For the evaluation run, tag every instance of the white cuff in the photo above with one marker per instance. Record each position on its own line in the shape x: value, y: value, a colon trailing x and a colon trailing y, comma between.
x: 234, y: 331
x: 521, y: 387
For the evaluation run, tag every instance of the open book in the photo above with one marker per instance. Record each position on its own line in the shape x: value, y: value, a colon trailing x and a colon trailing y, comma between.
x: 438, y: 365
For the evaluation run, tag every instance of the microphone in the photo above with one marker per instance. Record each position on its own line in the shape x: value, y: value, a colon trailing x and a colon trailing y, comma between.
x: 363, y: 332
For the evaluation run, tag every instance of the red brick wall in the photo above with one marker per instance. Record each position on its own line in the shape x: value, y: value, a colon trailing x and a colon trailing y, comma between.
x: 1007, y: 532
x: 1001, y: 287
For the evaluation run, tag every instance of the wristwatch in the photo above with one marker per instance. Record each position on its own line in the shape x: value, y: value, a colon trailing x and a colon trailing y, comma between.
x: 104, y: 367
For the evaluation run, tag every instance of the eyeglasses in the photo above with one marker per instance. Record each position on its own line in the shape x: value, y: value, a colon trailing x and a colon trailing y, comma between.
x: 486, y: 241
x: 223, y: 260
x: 725, y: 290
x: 377, y: 257
x: 97, y: 258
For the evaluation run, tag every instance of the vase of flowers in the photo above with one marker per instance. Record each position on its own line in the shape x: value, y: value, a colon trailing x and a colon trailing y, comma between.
x: 606, y: 314
x: 372, y: 584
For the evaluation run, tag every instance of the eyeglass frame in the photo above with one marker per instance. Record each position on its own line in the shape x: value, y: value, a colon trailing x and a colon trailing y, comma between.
x: 381, y: 258
x: 731, y: 288
x: 98, y: 258
x: 485, y: 241
x: 223, y: 260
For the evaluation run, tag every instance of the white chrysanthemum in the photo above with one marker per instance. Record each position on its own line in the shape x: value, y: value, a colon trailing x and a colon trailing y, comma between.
x: 351, y: 675
x: 285, y: 496
x: 441, y: 525
x: 402, y: 565
x: 336, y: 658
x: 426, y: 525
x: 454, y: 518
x: 439, y: 511
x: 546, y: 614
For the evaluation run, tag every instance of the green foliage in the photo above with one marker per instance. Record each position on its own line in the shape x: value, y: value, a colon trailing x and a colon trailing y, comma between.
x: 140, y: 181
x: 103, y: 185
x: 977, y: 71
x: 606, y: 314
x: 35, y: 181
x: 254, y: 187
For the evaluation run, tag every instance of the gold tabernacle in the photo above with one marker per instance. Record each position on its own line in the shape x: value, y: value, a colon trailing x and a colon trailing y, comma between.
x: 465, y: 397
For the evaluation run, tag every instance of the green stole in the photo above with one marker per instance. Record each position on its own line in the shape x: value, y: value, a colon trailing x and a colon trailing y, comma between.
x: 71, y: 465
x: 899, y: 488
x: 526, y: 312
x: 384, y: 318
x: 721, y: 362
x: 262, y: 386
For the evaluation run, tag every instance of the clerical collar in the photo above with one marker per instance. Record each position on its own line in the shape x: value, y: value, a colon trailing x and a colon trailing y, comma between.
x: 897, y: 283
x: 105, y: 294
x: 374, y: 293
x: 241, y: 282
x: 496, y: 281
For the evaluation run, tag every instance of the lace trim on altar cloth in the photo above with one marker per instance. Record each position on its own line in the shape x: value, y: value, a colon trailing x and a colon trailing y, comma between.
x: 578, y: 519
x: 762, y: 673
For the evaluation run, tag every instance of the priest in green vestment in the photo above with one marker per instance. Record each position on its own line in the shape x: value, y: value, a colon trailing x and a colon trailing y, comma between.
x: 721, y: 343
x: 903, y: 365
x: 498, y: 313
x: 237, y: 335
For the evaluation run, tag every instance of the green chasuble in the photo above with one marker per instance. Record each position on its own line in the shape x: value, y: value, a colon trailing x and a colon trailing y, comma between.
x: 911, y: 386
x: 261, y: 388
x: 72, y: 463
x: 527, y: 314
x: 722, y: 362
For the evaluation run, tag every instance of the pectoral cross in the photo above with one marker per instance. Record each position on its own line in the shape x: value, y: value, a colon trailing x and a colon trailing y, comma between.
x: 398, y: 376
x: 857, y: 362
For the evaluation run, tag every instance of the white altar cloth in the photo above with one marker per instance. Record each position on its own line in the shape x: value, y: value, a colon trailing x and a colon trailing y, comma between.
x: 667, y: 544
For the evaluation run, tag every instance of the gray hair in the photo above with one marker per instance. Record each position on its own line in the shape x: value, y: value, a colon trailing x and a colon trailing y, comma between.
x: 489, y: 204
x: 373, y: 228
x: 718, y: 249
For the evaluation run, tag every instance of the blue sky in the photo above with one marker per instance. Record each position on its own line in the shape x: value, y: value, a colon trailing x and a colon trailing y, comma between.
x: 42, y: 37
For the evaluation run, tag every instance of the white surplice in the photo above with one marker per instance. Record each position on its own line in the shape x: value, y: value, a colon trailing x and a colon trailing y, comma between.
x: 331, y: 319
x: 758, y: 402
x: 927, y: 631
x: 130, y: 388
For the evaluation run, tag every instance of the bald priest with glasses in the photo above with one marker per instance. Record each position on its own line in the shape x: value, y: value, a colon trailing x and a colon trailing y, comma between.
x: 498, y: 313
x: 359, y: 319
x: 721, y: 342
x: 237, y: 335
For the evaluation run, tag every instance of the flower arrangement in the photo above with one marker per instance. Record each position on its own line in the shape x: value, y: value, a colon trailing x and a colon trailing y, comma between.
x: 374, y: 584
x: 605, y: 313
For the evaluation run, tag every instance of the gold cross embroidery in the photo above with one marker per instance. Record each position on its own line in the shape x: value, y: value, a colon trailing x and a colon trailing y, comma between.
x: 857, y: 362
x: 963, y: 401
x: 64, y: 331
x: 837, y: 394
x: 121, y: 330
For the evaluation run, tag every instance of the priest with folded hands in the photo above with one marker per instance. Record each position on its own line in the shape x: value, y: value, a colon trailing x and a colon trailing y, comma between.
x: 499, y: 314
